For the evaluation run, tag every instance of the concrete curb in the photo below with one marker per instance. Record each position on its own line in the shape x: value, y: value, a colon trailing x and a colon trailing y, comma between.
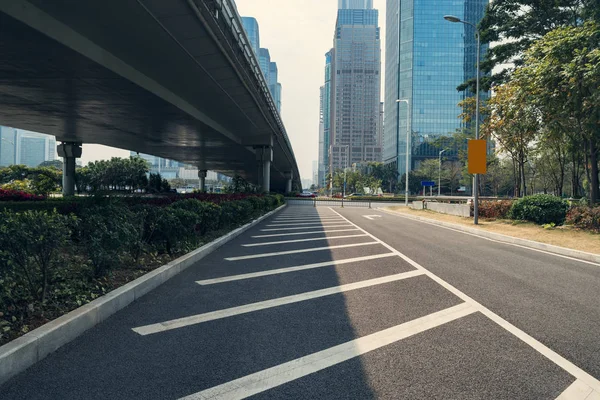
x: 23, y: 352
x: 563, y: 251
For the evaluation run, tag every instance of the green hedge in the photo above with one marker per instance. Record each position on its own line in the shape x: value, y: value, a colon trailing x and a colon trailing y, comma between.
x: 52, y: 260
x: 540, y: 208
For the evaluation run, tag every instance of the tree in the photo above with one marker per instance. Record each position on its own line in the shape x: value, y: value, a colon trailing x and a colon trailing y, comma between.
x: 58, y: 164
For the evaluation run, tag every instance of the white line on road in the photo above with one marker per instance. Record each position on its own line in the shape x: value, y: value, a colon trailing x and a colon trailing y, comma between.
x: 494, y: 240
x: 281, y: 253
x: 302, y: 227
x: 535, y: 344
x: 302, y: 240
x: 303, y: 233
x: 293, y: 269
x: 579, y: 391
x: 229, y: 312
x: 323, y: 223
x: 275, y: 376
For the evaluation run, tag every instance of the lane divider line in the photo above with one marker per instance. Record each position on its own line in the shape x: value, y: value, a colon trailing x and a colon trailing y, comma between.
x: 310, y: 250
x: 302, y: 227
x: 557, y: 359
x: 269, y: 378
x: 302, y: 240
x: 302, y: 233
x: 292, y: 269
x: 262, y: 305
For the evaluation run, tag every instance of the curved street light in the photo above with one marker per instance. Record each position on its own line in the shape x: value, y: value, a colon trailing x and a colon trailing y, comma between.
x: 453, y: 18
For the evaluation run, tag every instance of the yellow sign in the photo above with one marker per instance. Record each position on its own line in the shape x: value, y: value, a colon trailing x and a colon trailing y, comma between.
x: 477, y: 157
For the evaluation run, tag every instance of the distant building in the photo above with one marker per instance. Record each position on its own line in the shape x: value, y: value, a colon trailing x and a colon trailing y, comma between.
x: 18, y: 146
x: 315, y: 171
x: 168, y: 169
x: 351, y: 94
x: 253, y: 32
x: 268, y: 67
x: 426, y: 59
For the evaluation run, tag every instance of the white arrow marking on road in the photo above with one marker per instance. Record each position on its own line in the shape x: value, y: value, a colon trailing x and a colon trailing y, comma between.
x: 372, y: 217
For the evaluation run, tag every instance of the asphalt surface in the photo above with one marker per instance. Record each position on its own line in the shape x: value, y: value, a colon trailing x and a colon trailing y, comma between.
x: 199, y: 332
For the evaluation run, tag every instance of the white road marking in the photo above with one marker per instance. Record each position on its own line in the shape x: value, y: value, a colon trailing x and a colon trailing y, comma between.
x: 262, y: 305
x: 302, y: 240
x: 292, y: 269
x: 302, y: 233
x: 266, y: 379
x: 372, y: 217
x: 579, y: 391
x: 305, y: 218
x: 302, y: 227
x: 316, y: 224
x: 532, y: 342
x: 281, y: 253
x: 494, y: 240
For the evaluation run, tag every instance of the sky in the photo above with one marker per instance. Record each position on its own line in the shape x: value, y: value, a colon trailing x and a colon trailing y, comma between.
x: 297, y: 33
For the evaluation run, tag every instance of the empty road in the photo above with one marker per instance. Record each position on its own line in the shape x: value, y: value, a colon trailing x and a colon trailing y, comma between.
x: 353, y: 303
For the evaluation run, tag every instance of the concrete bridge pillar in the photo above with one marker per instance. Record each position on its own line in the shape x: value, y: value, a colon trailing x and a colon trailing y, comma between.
x: 288, y: 185
x: 69, y: 151
x: 264, y: 158
x: 202, y: 175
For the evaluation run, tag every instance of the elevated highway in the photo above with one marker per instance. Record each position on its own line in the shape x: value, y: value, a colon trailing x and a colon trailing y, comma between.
x: 176, y: 79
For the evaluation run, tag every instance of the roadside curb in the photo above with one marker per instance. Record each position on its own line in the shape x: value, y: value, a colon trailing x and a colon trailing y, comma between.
x: 563, y: 251
x: 23, y: 352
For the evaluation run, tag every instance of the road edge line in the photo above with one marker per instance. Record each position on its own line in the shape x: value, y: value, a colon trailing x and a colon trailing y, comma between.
x: 25, y: 351
x: 512, y: 240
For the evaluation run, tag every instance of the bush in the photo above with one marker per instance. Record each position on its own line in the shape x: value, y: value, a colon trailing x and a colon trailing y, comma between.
x: 207, y: 214
x: 540, y: 208
x: 17, y: 195
x: 107, y: 232
x: 584, y: 217
x: 495, y: 209
x: 30, y: 248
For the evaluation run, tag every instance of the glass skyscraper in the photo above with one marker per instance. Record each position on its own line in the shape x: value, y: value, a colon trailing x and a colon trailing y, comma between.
x: 18, y: 146
x: 268, y: 67
x: 427, y: 58
x: 351, y: 94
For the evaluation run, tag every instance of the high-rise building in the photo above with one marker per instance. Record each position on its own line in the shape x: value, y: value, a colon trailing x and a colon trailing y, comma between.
x: 268, y: 68
x: 427, y: 58
x: 253, y: 33
x: 168, y: 169
x: 351, y: 98
x: 18, y: 146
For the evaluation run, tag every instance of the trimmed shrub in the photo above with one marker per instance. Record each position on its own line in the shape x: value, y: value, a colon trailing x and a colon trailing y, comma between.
x: 30, y: 247
x: 495, y: 209
x: 18, y: 195
x: 584, y: 217
x: 540, y: 208
x: 260, y: 203
x: 207, y: 214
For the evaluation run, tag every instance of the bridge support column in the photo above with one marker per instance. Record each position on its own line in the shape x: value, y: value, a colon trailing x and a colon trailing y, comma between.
x: 288, y: 185
x: 264, y: 157
x: 202, y: 175
x: 69, y: 151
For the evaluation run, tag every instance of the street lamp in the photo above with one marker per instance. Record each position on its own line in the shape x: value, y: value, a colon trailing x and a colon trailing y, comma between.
x: 452, y: 18
x: 407, y: 147
x: 440, y: 173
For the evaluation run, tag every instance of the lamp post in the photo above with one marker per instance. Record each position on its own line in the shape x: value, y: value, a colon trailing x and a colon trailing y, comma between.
x: 407, y: 147
x: 452, y: 18
x: 440, y: 173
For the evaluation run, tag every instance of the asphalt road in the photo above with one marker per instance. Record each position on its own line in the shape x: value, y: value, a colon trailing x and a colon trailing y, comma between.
x: 353, y: 303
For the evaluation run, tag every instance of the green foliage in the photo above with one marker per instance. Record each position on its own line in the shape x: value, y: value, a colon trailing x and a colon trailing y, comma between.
x: 31, y: 243
x: 207, y: 215
x: 495, y: 209
x: 540, y: 208
x: 20, y: 186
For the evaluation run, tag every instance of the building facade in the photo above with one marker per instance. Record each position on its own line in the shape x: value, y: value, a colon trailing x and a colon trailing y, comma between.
x: 268, y: 67
x: 427, y: 58
x: 352, y: 87
x: 18, y: 146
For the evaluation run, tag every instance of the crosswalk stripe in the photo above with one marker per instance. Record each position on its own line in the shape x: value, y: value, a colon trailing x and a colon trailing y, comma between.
x: 310, y: 250
x: 303, y: 233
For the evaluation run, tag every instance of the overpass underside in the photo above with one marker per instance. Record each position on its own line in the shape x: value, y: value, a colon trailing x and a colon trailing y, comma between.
x: 152, y: 76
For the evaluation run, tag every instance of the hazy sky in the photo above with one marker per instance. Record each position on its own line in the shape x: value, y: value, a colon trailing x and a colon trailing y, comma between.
x: 297, y: 33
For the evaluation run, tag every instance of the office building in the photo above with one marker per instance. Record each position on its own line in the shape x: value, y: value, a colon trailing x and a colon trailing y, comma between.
x: 268, y: 67
x: 427, y: 58
x: 351, y: 94
x: 168, y: 169
x: 18, y: 146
